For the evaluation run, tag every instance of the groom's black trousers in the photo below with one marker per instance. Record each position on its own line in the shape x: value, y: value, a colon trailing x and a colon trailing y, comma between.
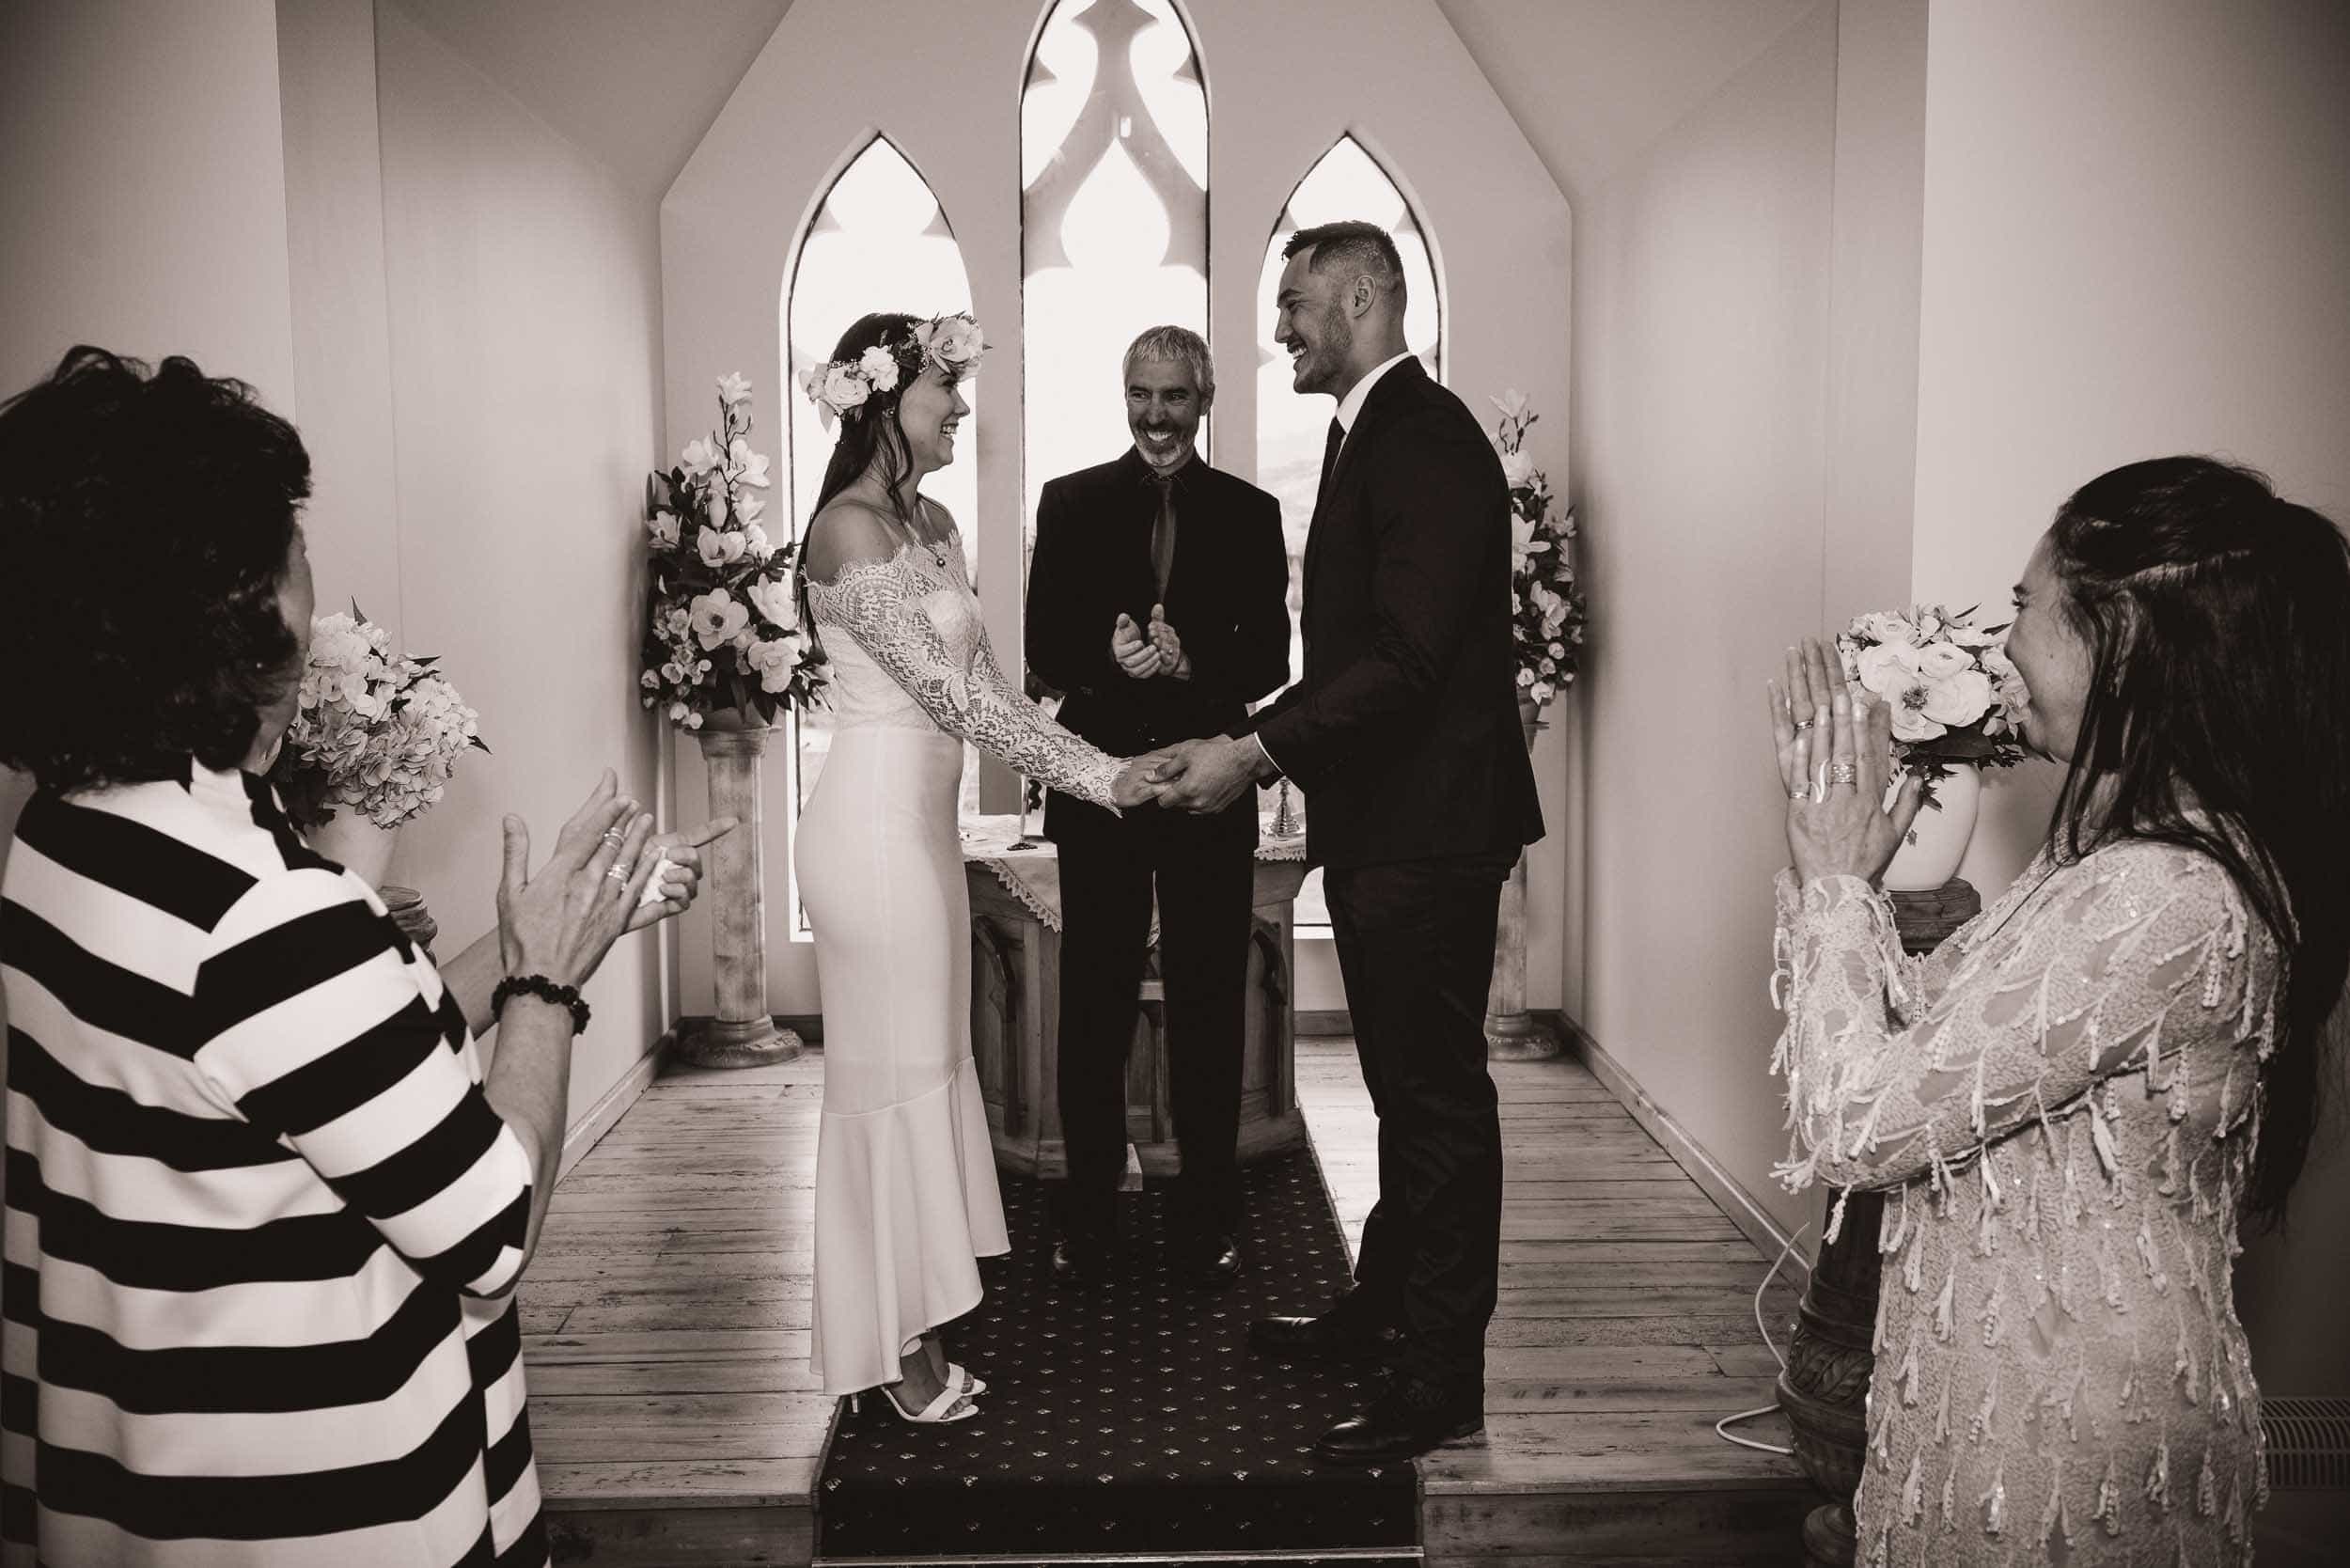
x: 1204, y: 869
x: 1416, y: 947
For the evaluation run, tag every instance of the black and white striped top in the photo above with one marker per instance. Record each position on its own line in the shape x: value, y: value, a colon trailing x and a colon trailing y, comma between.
x: 261, y: 1217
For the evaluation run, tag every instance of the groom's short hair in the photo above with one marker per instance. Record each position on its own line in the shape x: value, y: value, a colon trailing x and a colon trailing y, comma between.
x: 1180, y: 344
x: 1354, y: 250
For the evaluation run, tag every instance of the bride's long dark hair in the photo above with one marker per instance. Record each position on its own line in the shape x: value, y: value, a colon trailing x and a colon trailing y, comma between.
x: 873, y: 440
x: 2218, y: 616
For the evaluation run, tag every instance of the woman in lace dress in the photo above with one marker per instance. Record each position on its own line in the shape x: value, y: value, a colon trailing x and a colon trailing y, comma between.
x: 906, y: 1199
x: 2073, y: 1099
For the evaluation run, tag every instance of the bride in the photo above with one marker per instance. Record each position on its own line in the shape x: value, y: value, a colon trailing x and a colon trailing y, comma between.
x: 906, y: 1198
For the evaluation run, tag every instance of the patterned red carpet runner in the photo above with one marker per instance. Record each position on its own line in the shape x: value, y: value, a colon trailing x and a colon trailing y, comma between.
x: 1130, y: 1421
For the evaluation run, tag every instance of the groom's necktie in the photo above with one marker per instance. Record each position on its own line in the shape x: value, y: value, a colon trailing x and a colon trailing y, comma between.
x: 1163, y: 534
x: 1330, y: 454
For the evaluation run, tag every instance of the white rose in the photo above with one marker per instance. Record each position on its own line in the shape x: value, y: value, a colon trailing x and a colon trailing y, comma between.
x: 717, y: 617
x: 956, y: 344
x: 775, y: 601
x: 844, y: 388
x: 880, y: 366
x: 1939, y: 661
x: 1885, y: 626
x: 1888, y: 668
x: 1960, y: 699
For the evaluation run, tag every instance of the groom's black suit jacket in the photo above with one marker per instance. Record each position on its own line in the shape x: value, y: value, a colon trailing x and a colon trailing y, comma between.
x: 1227, y: 597
x: 1404, y: 732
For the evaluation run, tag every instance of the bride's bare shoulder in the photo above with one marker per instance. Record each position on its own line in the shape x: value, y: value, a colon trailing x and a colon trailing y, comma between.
x: 846, y: 533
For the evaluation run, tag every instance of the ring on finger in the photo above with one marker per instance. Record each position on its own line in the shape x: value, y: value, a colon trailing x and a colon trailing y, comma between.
x: 1843, y: 772
x: 615, y: 874
x: 1802, y: 725
x: 1799, y: 795
x: 613, y: 834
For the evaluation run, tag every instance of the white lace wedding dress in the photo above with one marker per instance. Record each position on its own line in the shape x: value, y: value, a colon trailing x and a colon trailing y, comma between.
x: 906, y: 1200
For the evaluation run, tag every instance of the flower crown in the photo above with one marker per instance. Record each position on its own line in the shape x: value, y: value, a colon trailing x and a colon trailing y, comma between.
x: 840, y: 389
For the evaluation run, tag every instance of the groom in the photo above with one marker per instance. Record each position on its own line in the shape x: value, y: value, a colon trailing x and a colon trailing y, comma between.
x: 1404, y: 736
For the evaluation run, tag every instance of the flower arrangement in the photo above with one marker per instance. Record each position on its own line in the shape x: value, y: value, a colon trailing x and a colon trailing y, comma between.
x: 1954, y: 693
x: 1548, y: 607
x: 722, y: 627
x: 840, y: 389
x: 374, y: 730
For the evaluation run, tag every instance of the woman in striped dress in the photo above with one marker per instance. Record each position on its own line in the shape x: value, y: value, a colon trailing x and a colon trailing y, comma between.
x: 264, y: 1203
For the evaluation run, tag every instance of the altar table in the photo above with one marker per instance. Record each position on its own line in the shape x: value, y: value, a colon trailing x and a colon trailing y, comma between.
x: 1015, y: 1007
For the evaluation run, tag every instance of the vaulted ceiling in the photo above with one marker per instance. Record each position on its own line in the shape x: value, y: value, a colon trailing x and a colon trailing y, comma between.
x: 637, y: 82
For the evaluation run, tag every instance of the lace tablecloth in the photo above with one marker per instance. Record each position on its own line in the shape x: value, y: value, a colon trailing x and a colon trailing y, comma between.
x: 1029, y: 868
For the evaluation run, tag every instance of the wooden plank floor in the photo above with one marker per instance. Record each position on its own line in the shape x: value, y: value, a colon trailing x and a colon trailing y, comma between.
x: 665, y: 1325
x: 1626, y: 1330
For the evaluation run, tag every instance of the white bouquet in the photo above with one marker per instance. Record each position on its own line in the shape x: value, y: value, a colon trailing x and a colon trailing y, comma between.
x: 1954, y: 692
x: 375, y: 731
x: 1547, y: 610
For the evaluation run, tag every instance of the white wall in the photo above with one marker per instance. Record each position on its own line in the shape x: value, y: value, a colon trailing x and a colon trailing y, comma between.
x: 1744, y: 361
x: 524, y: 313
x: 144, y: 188
x: 2138, y: 243
x: 837, y: 70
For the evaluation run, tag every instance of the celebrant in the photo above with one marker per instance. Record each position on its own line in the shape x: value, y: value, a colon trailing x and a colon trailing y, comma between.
x: 1158, y: 605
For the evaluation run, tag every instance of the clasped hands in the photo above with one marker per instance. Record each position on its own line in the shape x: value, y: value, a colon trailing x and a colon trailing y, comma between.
x: 1200, y: 776
x: 1834, y: 744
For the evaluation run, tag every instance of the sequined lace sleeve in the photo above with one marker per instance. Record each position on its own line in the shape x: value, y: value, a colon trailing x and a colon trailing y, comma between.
x: 2136, y: 957
x: 880, y: 603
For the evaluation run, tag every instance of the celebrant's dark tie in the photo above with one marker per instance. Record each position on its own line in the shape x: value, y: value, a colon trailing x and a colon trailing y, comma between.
x: 1330, y: 453
x: 1163, y: 533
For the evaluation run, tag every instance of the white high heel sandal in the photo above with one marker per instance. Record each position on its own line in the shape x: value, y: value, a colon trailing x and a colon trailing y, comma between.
x: 953, y: 1403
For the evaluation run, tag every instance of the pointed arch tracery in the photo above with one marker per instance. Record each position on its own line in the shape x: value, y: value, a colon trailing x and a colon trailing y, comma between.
x: 1114, y: 215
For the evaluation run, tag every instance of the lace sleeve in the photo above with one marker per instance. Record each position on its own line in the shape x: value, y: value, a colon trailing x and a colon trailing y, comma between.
x: 2138, y: 956
x: 880, y: 603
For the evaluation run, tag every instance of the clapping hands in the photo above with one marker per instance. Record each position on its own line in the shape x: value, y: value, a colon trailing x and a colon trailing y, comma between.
x: 1835, y: 751
x: 1147, y: 652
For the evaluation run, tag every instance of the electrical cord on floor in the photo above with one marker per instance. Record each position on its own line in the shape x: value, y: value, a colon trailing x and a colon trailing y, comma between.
x: 1721, y: 1428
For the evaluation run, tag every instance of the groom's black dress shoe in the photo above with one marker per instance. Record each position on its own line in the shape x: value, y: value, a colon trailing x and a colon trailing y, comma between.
x: 1411, y: 1418
x: 1332, y: 1337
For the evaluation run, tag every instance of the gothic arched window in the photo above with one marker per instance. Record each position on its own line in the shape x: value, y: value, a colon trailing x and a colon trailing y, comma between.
x: 1113, y: 217
x: 878, y: 242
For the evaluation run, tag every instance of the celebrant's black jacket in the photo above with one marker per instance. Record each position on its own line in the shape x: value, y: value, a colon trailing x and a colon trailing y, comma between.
x: 1226, y: 598
x: 1404, y: 733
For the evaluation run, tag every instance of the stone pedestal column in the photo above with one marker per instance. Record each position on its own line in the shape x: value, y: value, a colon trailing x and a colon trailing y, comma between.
x: 1825, y: 1388
x: 743, y: 1034
x: 1512, y: 1033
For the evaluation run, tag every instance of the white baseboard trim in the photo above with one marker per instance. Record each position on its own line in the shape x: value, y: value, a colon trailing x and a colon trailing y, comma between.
x: 1726, y: 1191
x: 607, y: 1111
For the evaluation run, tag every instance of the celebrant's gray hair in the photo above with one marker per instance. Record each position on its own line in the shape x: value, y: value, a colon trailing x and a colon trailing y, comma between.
x: 1179, y: 344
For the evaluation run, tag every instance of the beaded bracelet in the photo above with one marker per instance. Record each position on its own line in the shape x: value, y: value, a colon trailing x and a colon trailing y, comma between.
x: 545, y: 989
